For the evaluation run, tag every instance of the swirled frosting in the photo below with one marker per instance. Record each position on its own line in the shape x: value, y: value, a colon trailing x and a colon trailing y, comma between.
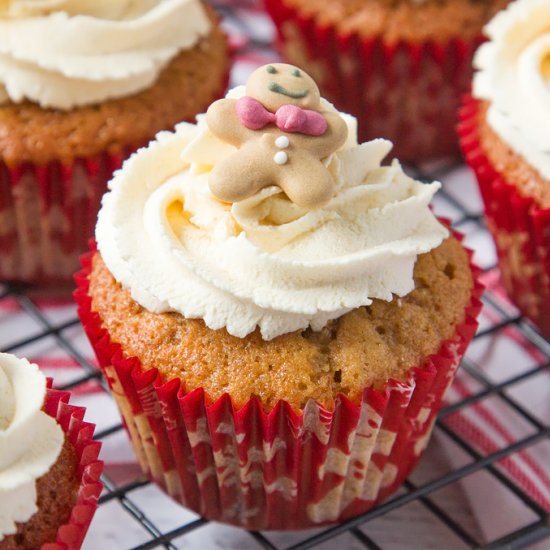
x: 70, y: 53
x: 30, y: 440
x: 264, y: 261
x: 514, y: 76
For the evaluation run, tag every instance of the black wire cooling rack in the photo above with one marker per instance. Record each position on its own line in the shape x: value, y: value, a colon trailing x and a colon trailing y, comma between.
x: 500, y: 321
x: 504, y: 336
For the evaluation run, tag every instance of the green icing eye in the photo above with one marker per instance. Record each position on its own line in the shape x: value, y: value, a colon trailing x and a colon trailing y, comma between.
x: 271, y: 69
x: 296, y: 72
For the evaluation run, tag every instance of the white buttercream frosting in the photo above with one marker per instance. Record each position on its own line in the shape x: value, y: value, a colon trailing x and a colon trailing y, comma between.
x: 30, y: 440
x: 69, y: 53
x: 514, y: 76
x: 262, y: 262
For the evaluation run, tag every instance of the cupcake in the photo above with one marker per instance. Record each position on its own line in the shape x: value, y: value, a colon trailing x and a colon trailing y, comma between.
x: 400, y: 66
x: 72, y: 108
x: 278, y: 314
x: 49, y: 472
x: 504, y: 136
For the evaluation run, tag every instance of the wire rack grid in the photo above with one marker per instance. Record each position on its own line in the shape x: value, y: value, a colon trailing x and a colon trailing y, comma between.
x: 461, y: 460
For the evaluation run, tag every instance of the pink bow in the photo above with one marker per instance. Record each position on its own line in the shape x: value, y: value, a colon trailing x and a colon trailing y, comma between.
x: 288, y: 118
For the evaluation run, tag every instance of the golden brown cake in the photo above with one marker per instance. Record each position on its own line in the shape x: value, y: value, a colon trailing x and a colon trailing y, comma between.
x: 403, y: 20
x: 364, y: 348
x: 56, y: 492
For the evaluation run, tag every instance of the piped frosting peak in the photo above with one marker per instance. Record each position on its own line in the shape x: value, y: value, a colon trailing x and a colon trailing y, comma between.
x: 264, y: 261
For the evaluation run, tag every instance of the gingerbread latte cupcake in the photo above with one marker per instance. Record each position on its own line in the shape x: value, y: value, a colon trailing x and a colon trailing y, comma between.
x: 82, y: 84
x: 504, y: 136
x: 49, y: 472
x: 277, y: 313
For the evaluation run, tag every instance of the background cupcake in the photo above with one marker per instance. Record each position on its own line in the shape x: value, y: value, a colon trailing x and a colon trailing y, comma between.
x: 49, y: 472
x: 71, y: 108
x: 277, y: 362
x: 504, y: 136
x: 399, y: 67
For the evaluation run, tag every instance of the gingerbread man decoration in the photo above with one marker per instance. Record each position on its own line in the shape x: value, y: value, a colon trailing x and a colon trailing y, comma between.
x: 282, y: 134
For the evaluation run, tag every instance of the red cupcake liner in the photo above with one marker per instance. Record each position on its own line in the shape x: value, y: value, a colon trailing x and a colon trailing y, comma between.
x: 520, y: 227
x: 409, y: 93
x: 285, y: 469
x: 47, y: 215
x: 56, y: 404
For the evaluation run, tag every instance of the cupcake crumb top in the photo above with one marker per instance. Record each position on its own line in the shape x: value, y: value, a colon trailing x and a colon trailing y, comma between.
x: 363, y: 348
x: 412, y: 21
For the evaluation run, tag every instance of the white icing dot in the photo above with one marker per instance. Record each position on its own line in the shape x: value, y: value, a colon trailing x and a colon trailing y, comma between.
x: 282, y: 142
x: 281, y: 157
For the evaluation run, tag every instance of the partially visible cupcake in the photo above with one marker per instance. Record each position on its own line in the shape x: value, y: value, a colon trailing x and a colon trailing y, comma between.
x: 82, y: 84
x: 399, y: 66
x: 49, y: 472
x: 505, y: 137
x: 278, y: 314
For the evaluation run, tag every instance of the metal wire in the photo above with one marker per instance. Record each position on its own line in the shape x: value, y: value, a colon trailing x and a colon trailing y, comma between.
x: 535, y: 531
x: 422, y: 494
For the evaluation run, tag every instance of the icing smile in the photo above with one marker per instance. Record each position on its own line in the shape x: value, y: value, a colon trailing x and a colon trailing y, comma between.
x: 278, y: 89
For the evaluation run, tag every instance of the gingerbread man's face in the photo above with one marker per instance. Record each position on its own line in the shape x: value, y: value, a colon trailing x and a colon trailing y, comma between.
x: 281, y: 84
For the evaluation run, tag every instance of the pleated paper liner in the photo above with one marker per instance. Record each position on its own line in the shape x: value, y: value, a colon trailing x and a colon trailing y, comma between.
x: 70, y: 536
x: 285, y: 469
x: 47, y: 215
x: 520, y: 227
x: 408, y: 93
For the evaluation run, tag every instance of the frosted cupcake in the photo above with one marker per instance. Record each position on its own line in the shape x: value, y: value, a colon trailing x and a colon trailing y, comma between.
x: 49, y: 472
x: 82, y: 84
x: 504, y: 135
x: 277, y: 313
x: 399, y: 66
